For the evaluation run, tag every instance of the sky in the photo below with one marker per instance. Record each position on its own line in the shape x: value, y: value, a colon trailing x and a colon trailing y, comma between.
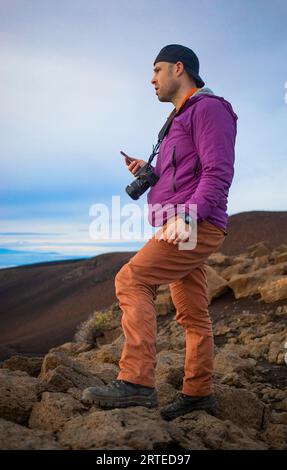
x: 75, y: 90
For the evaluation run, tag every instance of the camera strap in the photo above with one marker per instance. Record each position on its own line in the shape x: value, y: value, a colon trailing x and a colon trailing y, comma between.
x: 162, y: 134
x: 168, y: 123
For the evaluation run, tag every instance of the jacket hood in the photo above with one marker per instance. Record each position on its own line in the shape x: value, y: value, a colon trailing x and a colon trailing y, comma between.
x: 206, y: 92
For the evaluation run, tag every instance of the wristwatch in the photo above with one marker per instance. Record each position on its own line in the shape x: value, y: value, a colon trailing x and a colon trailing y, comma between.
x: 187, y: 218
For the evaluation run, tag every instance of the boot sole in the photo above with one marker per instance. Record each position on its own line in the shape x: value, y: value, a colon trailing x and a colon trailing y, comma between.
x: 119, y: 402
x: 170, y: 416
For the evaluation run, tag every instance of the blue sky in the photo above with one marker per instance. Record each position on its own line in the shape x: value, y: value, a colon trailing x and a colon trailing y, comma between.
x: 75, y: 90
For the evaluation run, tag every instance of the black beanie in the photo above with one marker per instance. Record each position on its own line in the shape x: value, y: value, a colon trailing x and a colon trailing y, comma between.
x: 175, y: 52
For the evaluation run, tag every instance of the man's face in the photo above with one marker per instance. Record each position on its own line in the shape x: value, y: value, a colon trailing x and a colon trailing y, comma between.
x: 165, y: 81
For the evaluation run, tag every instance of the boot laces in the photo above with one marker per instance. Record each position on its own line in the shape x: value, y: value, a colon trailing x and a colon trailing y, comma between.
x: 174, y: 405
x: 115, y: 383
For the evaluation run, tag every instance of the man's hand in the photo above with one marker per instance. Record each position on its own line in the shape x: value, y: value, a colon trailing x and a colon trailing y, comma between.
x: 134, y: 164
x: 174, y: 231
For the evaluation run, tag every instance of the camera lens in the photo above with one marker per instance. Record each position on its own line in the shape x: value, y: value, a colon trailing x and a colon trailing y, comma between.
x: 137, y: 188
x: 132, y: 192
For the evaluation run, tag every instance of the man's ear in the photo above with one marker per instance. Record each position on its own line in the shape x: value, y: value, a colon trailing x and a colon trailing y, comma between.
x: 179, y: 67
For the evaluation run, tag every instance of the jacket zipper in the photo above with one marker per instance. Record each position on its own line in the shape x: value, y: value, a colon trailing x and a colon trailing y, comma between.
x: 197, y: 167
x: 174, y: 169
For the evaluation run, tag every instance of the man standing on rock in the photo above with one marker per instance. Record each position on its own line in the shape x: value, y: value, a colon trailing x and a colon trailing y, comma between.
x: 195, y: 166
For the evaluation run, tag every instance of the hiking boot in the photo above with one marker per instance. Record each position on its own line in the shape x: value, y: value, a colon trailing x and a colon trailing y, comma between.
x: 186, y: 403
x: 121, y: 394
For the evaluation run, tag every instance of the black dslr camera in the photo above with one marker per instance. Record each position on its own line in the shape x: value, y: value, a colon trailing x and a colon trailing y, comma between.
x: 145, y: 177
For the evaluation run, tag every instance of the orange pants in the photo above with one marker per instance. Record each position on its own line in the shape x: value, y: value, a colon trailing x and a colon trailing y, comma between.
x: 156, y: 263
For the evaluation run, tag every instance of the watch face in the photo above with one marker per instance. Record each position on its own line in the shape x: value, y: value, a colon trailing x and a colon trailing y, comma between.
x: 187, y: 219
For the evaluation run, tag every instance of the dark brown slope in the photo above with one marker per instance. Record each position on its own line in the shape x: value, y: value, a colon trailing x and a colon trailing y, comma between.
x: 252, y: 227
x: 42, y: 304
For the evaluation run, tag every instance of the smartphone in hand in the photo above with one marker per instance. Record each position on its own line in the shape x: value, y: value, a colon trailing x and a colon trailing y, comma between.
x: 130, y: 159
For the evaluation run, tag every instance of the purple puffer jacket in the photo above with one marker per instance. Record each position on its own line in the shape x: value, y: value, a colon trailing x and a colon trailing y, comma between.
x: 196, y: 159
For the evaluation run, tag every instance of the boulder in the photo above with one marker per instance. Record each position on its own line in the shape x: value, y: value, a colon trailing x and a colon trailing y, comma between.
x: 259, y: 249
x: 133, y: 428
x: 241, y: 266
x: 59, y: 373
x: 54, y: 410
x: 170, y: 368
x: 104, y: 371
x: 31, y: 365
x: 226, y: 362
x: 166, y: 393
x: 241, y: 406
x: 264, y: 345
x: 18, y: 392
x: 278, y: 418
x: 274, y: 290
x: 260, y: 262
x: 281, y: 248
x: 280, y: 257
x: 213, y: 433
x: 111, y: 353
x: 221, y: 329
x: 72, y: 348
x: 216, y: 284
x: 244, y: 285
x: 219, y: 260
x: 16, y: 437
x: 276, y: 436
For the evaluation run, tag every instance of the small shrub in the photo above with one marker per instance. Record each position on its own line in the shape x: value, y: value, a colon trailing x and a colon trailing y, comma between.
x: 94, y: 326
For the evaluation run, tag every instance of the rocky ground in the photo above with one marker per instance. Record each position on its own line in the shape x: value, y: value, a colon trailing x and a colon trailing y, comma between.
x: 40, y: 406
